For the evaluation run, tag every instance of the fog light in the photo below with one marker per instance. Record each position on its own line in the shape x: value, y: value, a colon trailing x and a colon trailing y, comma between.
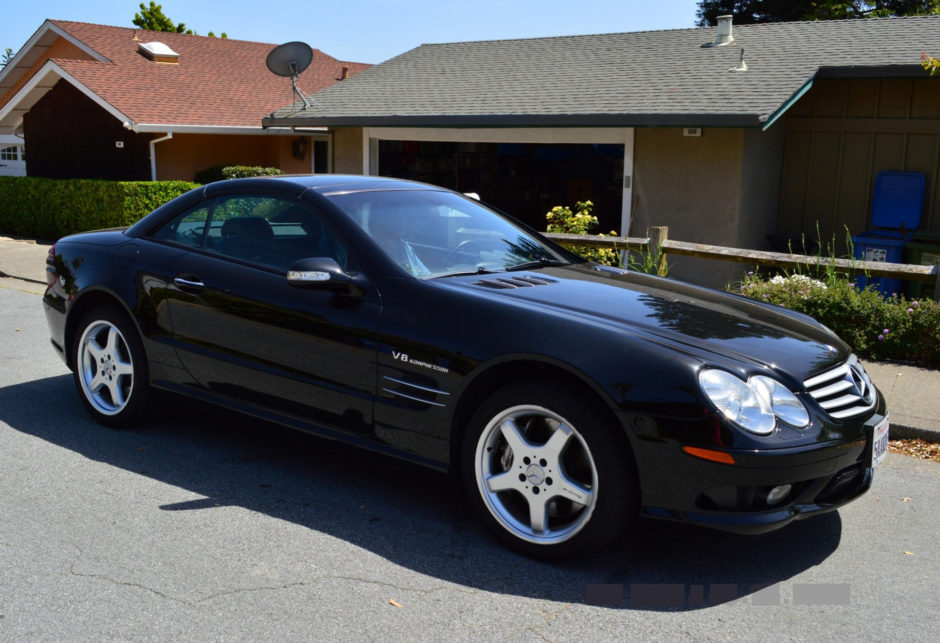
x: 776, y: 495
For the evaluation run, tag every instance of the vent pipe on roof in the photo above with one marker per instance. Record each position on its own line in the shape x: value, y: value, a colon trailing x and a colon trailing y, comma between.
x: 345, y: 74
x: 723, y: 37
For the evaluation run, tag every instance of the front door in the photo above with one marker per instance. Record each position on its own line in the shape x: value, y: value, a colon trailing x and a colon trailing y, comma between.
x: 244, y: 333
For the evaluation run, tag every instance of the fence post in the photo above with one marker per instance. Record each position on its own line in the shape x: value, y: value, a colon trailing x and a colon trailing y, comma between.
x: 657, y: 236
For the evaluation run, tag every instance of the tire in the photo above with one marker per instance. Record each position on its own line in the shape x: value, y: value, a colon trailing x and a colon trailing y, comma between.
x: 549, y: 475
x: 110, y: 368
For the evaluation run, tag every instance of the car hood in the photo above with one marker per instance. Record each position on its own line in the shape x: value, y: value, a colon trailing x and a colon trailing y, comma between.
x: 711, y: 325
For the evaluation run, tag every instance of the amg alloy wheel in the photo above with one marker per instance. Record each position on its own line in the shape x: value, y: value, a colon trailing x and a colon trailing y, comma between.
x: 110, y: 368
x: 550, y: 476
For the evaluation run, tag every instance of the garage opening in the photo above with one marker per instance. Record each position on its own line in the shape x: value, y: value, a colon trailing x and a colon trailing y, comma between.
x: 525, y: 180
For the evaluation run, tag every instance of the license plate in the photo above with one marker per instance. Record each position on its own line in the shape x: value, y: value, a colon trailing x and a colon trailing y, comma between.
x: 879, y: 442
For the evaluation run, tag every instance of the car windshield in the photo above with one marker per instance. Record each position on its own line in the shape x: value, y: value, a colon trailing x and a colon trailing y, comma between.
x: 437, y: 234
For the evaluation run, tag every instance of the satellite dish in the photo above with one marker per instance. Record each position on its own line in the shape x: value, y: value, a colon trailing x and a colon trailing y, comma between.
x: 290, y: 59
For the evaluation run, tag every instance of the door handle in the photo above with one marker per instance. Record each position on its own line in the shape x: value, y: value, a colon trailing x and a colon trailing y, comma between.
x: 188, y: 282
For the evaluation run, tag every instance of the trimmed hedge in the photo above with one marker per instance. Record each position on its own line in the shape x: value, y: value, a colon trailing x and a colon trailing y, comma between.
x: 52, y: 208
x: 223, y: 172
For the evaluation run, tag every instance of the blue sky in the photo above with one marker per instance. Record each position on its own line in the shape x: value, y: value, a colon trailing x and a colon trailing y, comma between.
x: 365, y: 30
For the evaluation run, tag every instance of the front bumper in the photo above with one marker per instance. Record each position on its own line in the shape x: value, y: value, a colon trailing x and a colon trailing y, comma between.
x: 822, y: 476
x: 819, y: 496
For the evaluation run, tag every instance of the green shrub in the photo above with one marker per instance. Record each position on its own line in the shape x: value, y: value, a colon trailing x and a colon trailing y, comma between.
x: 53, y: 208
x: 563, y: 220
x: 878, y: 328
x: 223, y: 172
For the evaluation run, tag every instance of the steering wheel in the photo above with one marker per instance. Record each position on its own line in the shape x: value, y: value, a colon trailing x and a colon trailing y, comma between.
x: 465, y: 244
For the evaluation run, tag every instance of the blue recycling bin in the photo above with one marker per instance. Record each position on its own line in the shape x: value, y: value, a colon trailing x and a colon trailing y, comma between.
x: 896, y: 209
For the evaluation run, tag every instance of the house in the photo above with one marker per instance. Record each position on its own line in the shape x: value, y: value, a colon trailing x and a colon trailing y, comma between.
x: 95, y: 101
x: 12, y: 155
x: 726, y: 134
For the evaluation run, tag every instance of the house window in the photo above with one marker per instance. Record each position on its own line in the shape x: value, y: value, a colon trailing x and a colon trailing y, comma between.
x: 12, y: 153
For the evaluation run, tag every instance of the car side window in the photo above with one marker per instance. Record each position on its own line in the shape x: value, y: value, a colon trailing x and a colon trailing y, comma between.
x: 188, y: 228
x: 263, y: 230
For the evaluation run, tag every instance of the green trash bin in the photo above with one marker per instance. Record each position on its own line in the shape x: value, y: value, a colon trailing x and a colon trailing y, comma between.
x: 923, y: 249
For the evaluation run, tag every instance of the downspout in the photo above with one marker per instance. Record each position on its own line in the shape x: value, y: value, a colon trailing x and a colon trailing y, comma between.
x: 153, y: 154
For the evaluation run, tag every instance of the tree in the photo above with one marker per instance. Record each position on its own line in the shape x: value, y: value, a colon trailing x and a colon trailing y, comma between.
x: 755, y: 11
x: 152, y: 18
x: 7, y: 57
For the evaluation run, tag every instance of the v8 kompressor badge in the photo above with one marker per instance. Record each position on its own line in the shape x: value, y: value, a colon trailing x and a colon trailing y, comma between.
x: 403, y: 357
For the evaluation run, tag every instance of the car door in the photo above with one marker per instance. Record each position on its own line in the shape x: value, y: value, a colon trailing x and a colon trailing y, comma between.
x: 246, y: 335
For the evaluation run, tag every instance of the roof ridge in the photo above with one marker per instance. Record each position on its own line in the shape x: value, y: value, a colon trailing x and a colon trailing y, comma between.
x: 748, y: 26
x: 63, y: 24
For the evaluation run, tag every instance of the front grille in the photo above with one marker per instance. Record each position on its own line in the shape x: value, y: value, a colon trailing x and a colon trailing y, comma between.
x: 525, y: 281
x: 844, y: 391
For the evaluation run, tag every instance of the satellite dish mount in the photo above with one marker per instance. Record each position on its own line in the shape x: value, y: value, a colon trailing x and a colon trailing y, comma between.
x: 290, y: 59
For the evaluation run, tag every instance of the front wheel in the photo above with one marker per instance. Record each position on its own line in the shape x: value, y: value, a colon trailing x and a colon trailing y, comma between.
x: 551, y: 476
x: 110, y: 368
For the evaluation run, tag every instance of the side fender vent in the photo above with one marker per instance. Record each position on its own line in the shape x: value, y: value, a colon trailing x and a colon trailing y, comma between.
x: 415, y: 392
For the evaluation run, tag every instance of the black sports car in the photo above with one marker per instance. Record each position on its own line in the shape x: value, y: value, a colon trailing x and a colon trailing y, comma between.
x: 405, y: 318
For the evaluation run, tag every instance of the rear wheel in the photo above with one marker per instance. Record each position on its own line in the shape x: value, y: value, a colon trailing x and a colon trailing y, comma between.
x: 552, y: 477
x: 110, y: 367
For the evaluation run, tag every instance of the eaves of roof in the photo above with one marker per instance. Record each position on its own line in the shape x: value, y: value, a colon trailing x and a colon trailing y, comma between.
x: 520, y: 120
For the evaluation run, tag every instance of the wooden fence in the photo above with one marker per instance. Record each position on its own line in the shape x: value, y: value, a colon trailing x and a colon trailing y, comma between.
x: 658, y: 245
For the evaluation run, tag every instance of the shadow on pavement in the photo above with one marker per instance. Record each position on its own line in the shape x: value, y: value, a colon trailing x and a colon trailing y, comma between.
x: 407, y: 514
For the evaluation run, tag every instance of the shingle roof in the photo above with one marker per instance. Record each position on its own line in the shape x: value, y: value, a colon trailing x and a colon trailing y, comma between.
x: 625, y: 79
x: 218, y: 82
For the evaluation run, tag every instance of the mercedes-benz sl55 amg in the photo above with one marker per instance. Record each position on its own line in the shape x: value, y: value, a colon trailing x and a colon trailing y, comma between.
x: 570, y: 397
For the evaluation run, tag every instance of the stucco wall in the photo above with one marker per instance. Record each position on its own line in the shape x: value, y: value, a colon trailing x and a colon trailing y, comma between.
x: 347, y: 150
x: 187, y: 154
x: 761, y: 165
x: 694, y: 186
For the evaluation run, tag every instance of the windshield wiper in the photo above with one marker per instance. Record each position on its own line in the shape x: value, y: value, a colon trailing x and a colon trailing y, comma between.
x: 541, y: 262
x: 480, y: 270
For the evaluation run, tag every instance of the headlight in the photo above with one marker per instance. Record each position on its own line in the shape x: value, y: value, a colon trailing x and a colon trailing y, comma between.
x: 784, y: 403
x: 754, y: 405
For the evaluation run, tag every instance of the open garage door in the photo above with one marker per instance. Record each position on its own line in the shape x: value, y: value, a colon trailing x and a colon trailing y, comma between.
x: 524, y: 179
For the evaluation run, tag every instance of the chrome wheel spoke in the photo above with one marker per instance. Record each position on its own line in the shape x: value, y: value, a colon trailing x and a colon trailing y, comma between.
x: 553, y: 449
x: 503, y: 482
x: 123, y: 368
x: 111, y: 348
x: 94, y: 352
x: 117, y: 392
x: 97, y: 382
x: 573, y: 491
x: 513, y: 436
x: 538, y: 513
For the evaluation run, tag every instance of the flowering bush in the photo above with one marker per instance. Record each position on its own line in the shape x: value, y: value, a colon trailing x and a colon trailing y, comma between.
x: 893, y: 328
x: 561, y: 219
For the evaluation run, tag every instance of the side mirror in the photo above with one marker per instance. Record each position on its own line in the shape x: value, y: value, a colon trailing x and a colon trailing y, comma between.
x: 322, y: 273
